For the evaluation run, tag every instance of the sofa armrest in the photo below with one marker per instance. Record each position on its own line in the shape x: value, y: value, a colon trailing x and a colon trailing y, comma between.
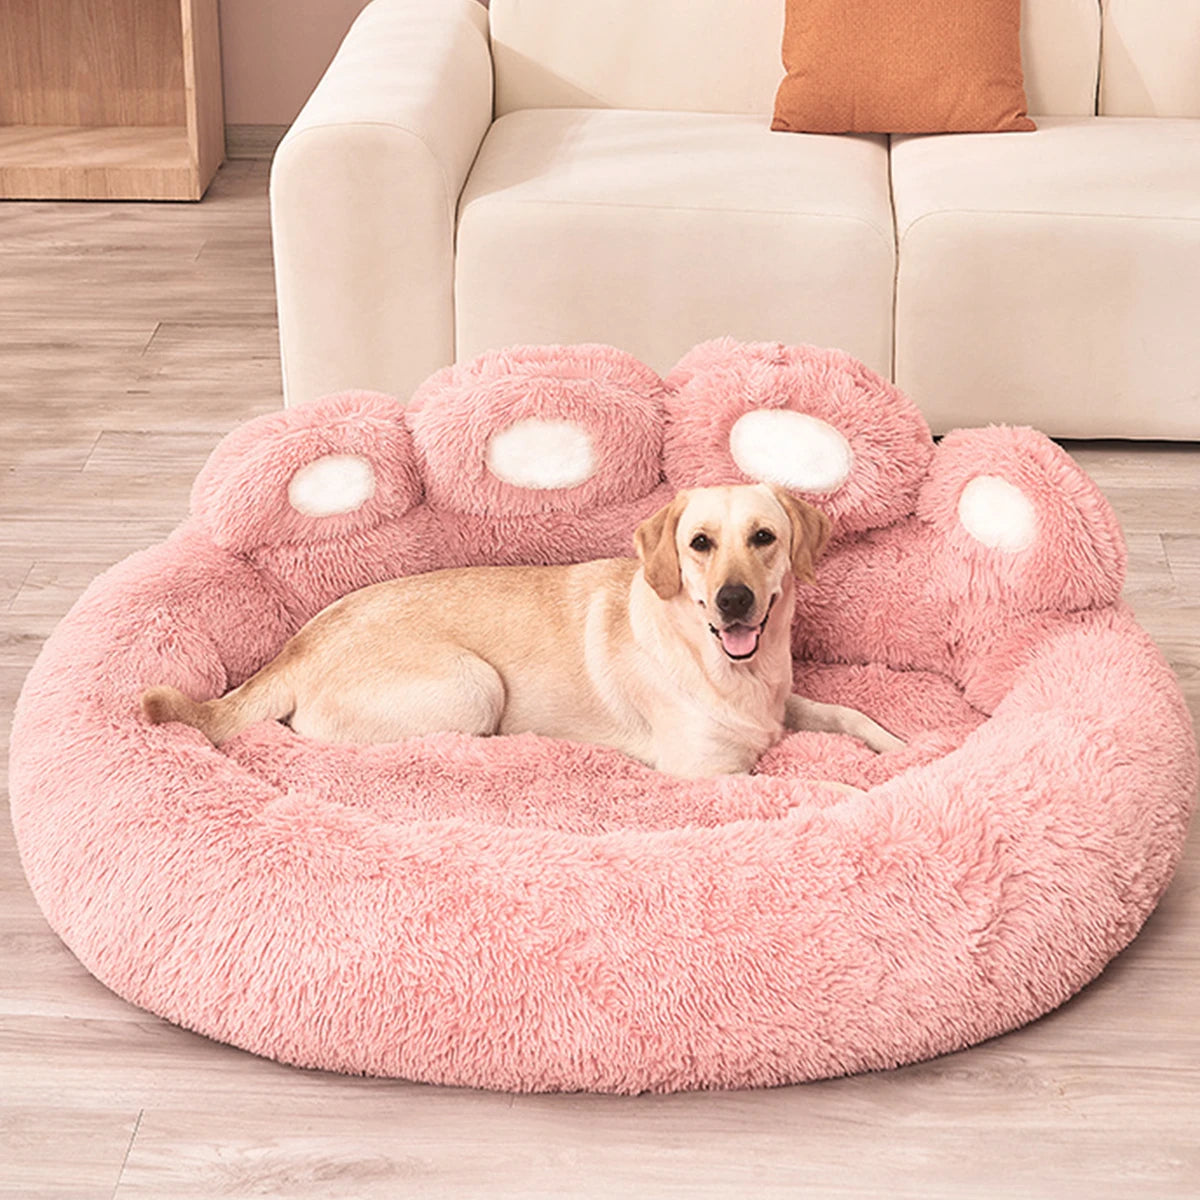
x: 364, y: 193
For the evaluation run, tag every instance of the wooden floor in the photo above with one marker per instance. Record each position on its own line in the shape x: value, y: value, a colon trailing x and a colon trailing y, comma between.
x: 131, y: 338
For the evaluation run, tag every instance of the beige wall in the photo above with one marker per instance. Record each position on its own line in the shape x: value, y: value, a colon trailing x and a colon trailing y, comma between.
x: 274, y: 51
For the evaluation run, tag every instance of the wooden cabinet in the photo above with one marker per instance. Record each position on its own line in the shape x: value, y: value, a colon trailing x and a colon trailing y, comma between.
x: 109, y: 99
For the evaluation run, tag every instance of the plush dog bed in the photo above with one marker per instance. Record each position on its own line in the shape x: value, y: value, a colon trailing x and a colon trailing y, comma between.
x: 533, y: 915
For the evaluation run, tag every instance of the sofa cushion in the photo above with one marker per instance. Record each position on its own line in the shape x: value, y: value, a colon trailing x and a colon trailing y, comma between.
x: 928, y: 66
x: 723, y: 55
x: 683, y: 55
x: 1052, y: 279
x: 653, y: 231
x: 1151, y: 61
x: 1060, y: 56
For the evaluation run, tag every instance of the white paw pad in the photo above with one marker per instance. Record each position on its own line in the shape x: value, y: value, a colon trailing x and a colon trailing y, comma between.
x: 543, y: 454
x: 794, y: 450
x: 336, y: 483
x: 998, y: 514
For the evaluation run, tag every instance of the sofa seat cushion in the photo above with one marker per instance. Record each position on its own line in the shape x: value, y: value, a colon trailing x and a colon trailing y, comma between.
x: 1053, y: 278
x: 654, y: 230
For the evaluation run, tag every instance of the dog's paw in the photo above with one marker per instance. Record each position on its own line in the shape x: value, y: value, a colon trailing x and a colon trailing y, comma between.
x: 883, y: 742
x: 537, y: 430
x: 814, y: 421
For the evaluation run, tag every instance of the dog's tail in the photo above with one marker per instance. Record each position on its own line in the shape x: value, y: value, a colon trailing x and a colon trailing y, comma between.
x: 263, y: 697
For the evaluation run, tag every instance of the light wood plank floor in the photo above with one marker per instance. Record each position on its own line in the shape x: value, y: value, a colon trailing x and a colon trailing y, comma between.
x: 131, y: 338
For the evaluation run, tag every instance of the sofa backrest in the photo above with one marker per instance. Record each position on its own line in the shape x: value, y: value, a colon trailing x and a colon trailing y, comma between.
x: 724, y: 55
x: 686, y: 55
x: 1151, y: 64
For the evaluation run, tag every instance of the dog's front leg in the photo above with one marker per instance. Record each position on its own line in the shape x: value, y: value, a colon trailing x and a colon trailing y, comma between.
x: 815, y: 717
x: 692, y: 757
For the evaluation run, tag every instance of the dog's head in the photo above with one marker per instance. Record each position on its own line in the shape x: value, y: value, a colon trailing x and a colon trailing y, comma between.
x: 728, y: 550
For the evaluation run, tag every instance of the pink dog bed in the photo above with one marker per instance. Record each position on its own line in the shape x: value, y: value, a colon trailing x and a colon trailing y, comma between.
x: 525, y: 914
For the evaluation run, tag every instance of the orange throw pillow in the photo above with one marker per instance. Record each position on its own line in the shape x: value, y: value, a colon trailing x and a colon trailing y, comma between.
x: 902, y: 66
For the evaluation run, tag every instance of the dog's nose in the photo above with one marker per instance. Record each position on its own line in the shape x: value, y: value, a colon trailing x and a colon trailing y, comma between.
x: 734, y: 600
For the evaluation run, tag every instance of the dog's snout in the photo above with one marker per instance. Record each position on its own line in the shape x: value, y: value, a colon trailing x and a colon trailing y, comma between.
x: 734, y: 601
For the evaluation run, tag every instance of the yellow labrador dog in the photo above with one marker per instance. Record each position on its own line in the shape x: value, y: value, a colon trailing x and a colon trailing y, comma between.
x: 681, y: 658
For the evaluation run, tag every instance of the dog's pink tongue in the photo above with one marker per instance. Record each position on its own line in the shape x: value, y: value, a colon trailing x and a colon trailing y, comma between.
x: 739, y: 640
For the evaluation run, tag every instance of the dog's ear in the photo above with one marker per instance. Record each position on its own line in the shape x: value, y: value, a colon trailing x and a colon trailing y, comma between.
x: 655, y: 542
x: 810, y: 533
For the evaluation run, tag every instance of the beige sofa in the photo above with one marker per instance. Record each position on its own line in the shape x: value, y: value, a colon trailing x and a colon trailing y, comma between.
x: 566, y: 170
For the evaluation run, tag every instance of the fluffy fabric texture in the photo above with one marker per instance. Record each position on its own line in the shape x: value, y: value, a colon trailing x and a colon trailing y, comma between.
x: 609, y: 395
x: 718, y: 382
x: 526, y: 914
x: 241, y: 494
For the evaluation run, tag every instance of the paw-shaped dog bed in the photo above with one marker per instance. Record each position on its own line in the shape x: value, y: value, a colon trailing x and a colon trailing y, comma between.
x: 526, y: 914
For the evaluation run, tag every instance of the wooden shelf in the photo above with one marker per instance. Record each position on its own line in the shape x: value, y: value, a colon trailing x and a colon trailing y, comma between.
x: 110, y: 100
x: 99, y: 162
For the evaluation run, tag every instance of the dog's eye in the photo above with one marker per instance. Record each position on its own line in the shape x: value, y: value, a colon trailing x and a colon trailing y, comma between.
x: 701, y: 542
x: 762, y: 537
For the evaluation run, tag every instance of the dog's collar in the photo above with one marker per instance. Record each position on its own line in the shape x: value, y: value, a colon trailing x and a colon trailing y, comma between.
x: 761, y: 627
